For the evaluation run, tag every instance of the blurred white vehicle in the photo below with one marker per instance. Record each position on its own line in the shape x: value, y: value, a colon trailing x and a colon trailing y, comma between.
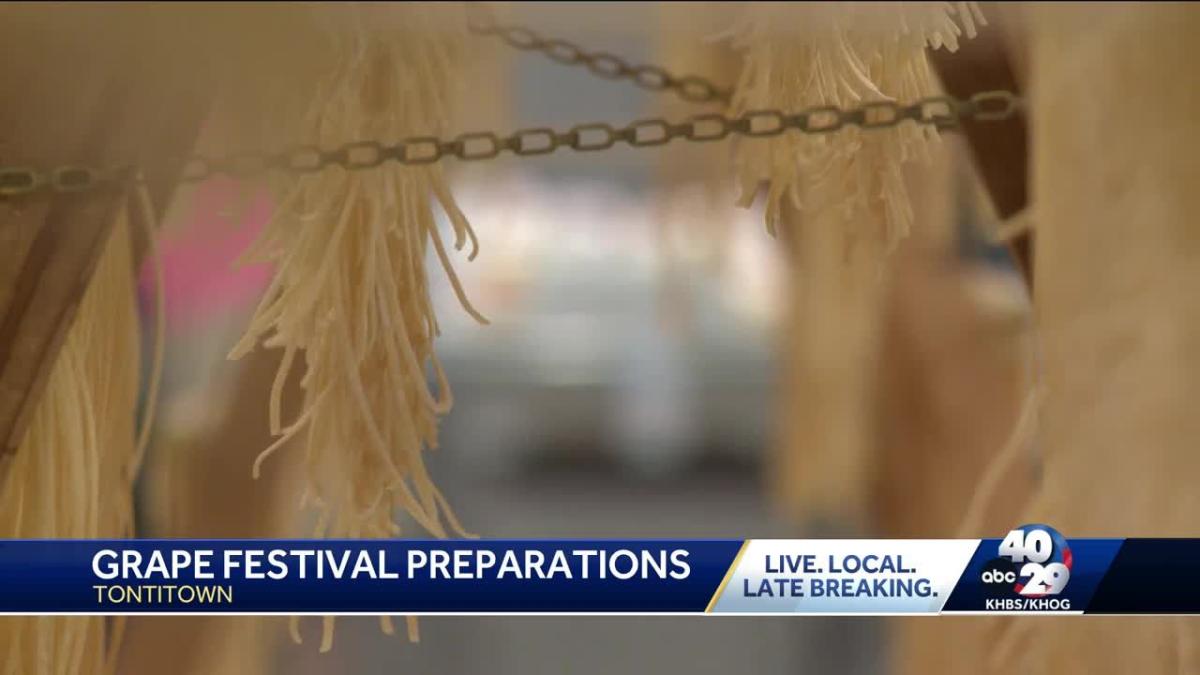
x: 599, y: 350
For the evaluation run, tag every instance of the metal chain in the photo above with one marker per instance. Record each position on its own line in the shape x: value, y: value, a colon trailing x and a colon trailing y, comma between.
x: 939, y: 111
x: 601, y: 64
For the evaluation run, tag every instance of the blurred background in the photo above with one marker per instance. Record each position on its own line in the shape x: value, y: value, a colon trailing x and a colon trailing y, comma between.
x: 633, y: 381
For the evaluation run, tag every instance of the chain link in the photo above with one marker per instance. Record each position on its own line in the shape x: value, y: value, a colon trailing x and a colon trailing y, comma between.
x: 694, y: 88
x: 942, y: 112
x: 938, y: 111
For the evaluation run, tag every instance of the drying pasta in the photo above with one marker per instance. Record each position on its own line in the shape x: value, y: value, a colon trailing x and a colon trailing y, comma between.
x: 803, y: 56
x: 840, y: 202
x: 72, y: 474
x: 350, y: 297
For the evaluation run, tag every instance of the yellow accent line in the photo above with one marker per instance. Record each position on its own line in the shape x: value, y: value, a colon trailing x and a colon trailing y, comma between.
x: 728, y: 575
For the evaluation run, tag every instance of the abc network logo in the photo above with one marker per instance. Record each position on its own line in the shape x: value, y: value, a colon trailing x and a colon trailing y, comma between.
x: 1033, y: 561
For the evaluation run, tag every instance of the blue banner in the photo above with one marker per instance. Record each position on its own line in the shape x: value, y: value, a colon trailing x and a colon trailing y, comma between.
x: 1151, y: 576
x: 373, y: 576
x: 1033, y: 569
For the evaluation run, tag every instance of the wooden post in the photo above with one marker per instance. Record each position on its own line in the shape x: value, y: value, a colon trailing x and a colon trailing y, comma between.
x: 1115, y: 171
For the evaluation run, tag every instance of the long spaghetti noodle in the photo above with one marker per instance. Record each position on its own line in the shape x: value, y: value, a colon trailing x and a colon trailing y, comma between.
x: 350, y: 296
x: 72, y: 474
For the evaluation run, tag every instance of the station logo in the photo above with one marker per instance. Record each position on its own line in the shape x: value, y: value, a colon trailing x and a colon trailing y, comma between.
x: 1032, y: 567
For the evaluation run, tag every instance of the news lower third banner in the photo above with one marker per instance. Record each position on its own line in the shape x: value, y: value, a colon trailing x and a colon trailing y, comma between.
x: 1032, y: 569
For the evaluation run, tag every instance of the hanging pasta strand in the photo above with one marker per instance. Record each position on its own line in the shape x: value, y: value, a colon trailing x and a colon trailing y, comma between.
x: 72, y: 474
x: 805, y: 56
x: 840, y: 201
x: 350, y: 296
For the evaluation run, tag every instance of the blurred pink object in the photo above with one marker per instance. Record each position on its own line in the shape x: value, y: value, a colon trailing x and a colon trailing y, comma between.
x: 200, y: 276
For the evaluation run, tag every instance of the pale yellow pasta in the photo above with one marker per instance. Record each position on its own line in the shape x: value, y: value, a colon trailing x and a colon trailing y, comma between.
x: 349, y: 300
x: 72, y: 474
x: 804, y: 55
